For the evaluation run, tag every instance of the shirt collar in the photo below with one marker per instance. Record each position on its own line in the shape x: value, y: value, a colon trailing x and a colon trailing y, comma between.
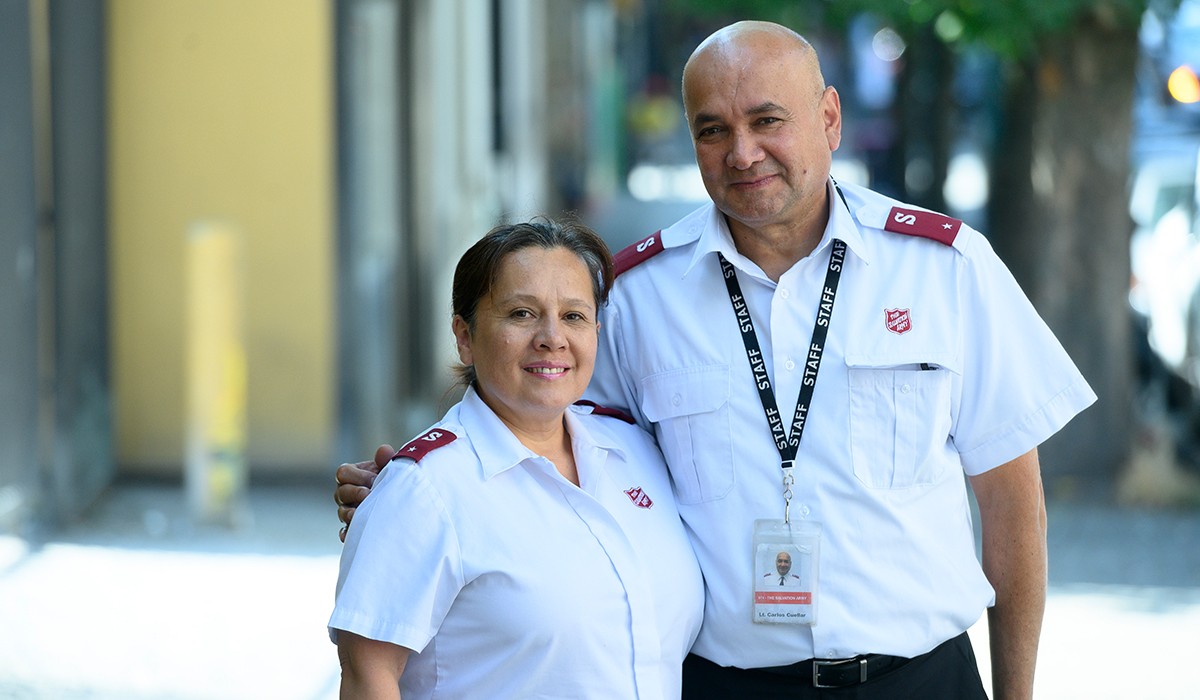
x: 583, y: 438
x: 495, y: 445
x: 716, y: 238
x: 499, y: 450
x: 843, y: 225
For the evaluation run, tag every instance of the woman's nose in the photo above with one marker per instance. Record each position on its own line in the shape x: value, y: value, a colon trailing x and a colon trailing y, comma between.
x: 550, y: 334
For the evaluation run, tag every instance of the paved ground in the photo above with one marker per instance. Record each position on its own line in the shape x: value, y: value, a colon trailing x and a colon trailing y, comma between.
x: 135, y: 603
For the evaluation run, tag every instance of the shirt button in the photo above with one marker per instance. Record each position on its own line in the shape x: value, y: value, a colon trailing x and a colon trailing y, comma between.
x: 905, y: 388
x: 790, y: 365
x: 784, y: 293
x: 804, y: 510
x: 676, y: 399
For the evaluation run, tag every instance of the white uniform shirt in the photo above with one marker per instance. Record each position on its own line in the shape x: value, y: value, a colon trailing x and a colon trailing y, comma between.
x: 510, y: 581
x: 773, y: 579
x: 886, y: 443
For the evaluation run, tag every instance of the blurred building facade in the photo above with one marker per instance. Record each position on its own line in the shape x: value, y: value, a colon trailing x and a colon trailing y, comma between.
x: 355, y: 148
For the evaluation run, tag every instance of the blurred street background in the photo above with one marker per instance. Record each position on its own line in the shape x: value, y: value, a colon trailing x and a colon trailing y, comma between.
x: 227, y: 230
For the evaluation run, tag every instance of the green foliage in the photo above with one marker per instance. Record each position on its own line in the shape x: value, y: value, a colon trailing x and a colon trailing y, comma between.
x: 801, y: 15
x: 1012, y: 28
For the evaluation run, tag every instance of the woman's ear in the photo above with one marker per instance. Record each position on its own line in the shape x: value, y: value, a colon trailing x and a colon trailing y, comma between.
x: 462, y: 339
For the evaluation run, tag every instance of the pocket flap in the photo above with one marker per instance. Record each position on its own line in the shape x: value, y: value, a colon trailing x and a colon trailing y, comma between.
x: 686, y: 391
x: 908, y: 359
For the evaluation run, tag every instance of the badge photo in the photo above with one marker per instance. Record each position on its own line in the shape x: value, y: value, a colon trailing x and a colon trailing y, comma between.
x: 785, y: 572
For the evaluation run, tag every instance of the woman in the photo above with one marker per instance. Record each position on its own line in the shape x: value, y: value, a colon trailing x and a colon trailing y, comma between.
x: 560, y: 566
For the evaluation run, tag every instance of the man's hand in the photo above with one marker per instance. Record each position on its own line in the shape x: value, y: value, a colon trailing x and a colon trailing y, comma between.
x: 354, y: 482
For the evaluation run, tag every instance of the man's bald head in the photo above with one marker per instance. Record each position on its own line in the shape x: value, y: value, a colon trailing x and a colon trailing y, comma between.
x: 736, y: 47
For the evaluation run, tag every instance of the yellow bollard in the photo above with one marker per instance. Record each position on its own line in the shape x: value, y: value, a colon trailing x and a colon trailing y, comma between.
x: 215, y: 473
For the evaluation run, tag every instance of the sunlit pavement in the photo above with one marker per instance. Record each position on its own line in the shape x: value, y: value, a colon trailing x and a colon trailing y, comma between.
x: 135, y: 603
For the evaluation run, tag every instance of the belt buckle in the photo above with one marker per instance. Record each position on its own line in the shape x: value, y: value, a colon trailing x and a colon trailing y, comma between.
x: 818, y: 664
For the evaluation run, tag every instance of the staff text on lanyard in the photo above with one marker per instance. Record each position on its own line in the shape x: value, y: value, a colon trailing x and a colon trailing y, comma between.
x: 787, y: 444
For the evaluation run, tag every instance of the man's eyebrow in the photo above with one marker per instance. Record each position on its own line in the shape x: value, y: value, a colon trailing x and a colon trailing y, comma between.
x: 764, y: 108
x: 702, y: 118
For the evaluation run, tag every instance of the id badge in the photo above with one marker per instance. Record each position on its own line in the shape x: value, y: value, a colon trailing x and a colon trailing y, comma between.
x: 786, y: 556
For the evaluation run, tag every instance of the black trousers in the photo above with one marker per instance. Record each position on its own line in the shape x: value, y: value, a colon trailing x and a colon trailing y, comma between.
x: 949, y: 672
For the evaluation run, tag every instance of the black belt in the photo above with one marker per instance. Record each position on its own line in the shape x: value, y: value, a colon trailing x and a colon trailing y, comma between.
x: 839, y: 673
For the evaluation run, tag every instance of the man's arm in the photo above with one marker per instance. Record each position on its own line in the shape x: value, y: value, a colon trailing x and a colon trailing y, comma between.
x: 370, y: 669
x: 354, y: 482
x: 1012, y: 510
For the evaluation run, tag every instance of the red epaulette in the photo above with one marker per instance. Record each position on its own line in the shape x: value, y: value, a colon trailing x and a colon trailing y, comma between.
x: 599, y: 410
x: 926, y: 224
x: 637, y: 253
x: 418, y: 447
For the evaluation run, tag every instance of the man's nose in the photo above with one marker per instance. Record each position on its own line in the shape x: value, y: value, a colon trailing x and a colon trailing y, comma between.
x: 744, y: 151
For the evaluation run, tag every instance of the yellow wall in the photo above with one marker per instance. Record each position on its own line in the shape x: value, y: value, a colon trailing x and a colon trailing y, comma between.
x: 223, y: 109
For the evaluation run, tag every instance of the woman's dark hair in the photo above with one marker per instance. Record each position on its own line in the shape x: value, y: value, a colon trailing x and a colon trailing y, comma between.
x: 479, y: 267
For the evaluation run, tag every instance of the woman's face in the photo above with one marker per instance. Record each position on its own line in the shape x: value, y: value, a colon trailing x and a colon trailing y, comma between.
x: 534, y: 341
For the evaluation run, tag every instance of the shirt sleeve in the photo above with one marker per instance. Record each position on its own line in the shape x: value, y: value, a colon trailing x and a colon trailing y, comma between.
x: 609, y: 386
x: 1019, y: 386
x: 401, y: 567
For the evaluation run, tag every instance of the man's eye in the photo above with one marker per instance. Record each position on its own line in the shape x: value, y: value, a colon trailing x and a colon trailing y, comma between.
x: 521, y: 313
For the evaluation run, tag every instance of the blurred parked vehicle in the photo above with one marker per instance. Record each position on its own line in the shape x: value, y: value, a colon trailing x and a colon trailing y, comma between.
x: 1165, y: 208
x: 1165, y: 284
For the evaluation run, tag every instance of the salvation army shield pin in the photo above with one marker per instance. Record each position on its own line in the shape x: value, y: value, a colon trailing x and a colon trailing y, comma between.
x: 898, y: 321
x: 639, y: 497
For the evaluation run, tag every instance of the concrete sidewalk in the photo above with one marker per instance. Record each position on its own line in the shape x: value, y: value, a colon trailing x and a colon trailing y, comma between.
x: 136, y: 603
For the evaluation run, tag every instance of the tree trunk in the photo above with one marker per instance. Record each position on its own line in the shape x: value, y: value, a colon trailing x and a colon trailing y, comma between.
x: 1059, y: 217
x: 926, y: 113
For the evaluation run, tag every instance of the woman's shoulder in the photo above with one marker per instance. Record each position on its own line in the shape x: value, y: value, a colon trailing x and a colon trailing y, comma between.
x: 430, y: 442
x: 613, y: 421
x: 428, y: 469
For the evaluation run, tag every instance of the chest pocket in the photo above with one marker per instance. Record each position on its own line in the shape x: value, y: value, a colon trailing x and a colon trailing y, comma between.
x: 690, y: 411
x: 900, y: 420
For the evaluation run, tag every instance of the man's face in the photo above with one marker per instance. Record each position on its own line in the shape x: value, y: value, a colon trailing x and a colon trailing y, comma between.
x: 783, y: 563
x: 764, y: 131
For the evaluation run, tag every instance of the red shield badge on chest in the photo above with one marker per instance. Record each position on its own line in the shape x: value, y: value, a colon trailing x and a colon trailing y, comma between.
x: 639, y: 497
x: 898, y: 321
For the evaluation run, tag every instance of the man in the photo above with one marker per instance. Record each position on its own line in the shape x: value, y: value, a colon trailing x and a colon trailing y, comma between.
x: 782, y: 576
x: 911, y: 357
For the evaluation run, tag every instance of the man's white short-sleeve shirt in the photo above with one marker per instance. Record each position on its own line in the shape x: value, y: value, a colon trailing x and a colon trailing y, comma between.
x: 509, y: 581
x: 935, y: 364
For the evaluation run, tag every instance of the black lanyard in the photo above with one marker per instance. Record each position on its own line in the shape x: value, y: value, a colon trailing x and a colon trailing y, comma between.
x: 788, y: 445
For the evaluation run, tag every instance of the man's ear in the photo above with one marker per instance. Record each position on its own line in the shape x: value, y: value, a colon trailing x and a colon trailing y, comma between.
x: 831, y: 106
x: 462, y: 339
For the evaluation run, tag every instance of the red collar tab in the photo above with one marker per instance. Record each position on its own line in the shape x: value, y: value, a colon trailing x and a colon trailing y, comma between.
x: 638, y: 253
x: 423, y: 445
x: 926, y: 224
x: 599, y: 410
